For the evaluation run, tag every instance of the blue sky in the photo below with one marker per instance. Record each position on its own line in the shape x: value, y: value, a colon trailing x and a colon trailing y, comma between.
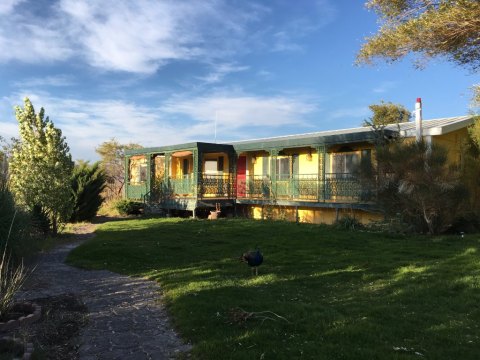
x: 160, y: 72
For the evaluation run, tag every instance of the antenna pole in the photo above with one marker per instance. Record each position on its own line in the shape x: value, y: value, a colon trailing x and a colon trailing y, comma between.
x: 216, y: 113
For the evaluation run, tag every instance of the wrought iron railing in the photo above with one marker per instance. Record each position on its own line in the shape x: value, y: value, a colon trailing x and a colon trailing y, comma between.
x: 306, y: 187
x: 216, y: 185
x: 334, y: 187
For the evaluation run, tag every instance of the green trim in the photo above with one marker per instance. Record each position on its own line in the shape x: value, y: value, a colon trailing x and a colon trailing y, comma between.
x: 200, y: 146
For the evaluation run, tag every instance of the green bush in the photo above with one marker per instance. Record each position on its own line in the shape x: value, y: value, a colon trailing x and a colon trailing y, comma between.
x: 88, y: 182
x: 128, y: 207
x: 348, y: 222
x: 14, y: 226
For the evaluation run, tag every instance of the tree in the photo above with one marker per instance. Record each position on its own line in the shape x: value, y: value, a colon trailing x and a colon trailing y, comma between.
x: 41, y: 166
x: 387, y: 113
x: 475, y: 103
x: 113, y: 162
x: 3, y: 160
x: 88, y: 182
x: 429, y: 28
x: 416, y: 182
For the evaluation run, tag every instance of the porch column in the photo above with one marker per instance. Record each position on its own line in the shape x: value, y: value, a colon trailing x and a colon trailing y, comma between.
x: 167, y: 186
x: 321, y: 151
x: 232, y: 174
x: 273, y: 171
x: 126, y: 177
x: 166, y: 173
x: 148, y: 183
x: 197, y: 178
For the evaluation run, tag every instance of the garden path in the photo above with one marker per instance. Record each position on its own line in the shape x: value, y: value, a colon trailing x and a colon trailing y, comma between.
x: 126, y: 319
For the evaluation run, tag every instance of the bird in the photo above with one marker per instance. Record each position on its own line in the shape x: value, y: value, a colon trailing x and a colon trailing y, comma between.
x: 254, y: 260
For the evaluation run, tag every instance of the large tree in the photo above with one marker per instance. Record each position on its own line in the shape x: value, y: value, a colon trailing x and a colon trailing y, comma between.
x: 387, y: 113
x: 112, y: 155
x: 429, y: 28
x: 415, y: 181
x: 41, y: 166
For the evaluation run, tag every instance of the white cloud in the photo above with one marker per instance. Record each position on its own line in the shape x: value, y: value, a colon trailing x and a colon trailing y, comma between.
x: 57, y: 81
x: 288, y: 38
x: 220, y: 71
x: 142, y: 36
x: 86, y: 124
x: 7, y: 6
x: 234, y: 111
x: 123, y: 35
x: 357, y: 113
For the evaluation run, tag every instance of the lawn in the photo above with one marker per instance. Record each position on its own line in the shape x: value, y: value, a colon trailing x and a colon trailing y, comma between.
x: 341, y: 294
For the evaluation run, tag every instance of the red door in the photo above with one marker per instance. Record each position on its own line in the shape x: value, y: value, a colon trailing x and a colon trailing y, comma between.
x: 241, y: 176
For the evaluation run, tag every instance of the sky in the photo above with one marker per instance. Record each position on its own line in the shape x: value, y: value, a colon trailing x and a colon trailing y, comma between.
x: 161, y: 72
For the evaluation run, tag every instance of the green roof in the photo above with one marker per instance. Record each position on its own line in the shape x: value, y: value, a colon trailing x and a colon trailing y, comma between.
x: 331, y: 137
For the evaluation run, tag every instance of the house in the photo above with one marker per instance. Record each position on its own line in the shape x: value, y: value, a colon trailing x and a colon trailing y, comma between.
x: 306, y: 177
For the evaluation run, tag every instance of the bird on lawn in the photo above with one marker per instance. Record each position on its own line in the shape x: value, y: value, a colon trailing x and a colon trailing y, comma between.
x: 254, y: 260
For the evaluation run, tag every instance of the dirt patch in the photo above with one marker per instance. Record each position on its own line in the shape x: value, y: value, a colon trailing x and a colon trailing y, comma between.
x: 55, y: 335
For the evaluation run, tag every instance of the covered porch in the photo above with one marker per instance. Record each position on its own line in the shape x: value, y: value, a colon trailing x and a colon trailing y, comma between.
x: 181, y: 176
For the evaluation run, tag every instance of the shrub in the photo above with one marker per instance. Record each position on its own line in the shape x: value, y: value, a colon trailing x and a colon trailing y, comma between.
x: 14, y: 225
x: 128, y: 207
x: 348, y: 222
x: 88, y: 182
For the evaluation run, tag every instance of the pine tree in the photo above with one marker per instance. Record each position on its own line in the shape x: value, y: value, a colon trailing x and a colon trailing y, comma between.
x: 41, y: 166
x: 88, y: 182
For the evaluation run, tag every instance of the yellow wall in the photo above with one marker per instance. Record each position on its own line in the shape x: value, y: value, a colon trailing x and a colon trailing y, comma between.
x: 453, y: 142
x: 308, y: 167
x: 177, y: 166
x: 312, y: 215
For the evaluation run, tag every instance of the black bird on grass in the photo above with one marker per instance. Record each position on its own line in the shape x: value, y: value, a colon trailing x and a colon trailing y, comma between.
x: 254, y: 260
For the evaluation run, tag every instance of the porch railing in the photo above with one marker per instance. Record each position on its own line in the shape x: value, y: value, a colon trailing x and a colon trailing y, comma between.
x: 216, y: 186
x: 334, y: 187
x: 307, y: 187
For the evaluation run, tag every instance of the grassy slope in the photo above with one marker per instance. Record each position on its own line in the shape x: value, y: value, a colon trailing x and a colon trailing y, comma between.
x: 346, y: 294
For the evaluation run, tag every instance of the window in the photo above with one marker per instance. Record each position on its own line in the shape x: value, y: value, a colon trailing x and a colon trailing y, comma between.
x: 345, y: 163
x: 138, y: 170
x: 185, y: 168
x: 283, y: 168
x: 210, y: 167
x: 143, y: 173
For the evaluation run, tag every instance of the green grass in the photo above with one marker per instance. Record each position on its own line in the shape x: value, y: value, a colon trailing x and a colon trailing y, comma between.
x: 346, y: 295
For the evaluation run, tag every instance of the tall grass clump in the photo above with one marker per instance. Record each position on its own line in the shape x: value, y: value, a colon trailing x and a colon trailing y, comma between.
x: 12, y: 278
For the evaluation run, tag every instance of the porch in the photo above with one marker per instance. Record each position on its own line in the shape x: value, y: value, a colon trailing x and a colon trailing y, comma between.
x: 334, y: 187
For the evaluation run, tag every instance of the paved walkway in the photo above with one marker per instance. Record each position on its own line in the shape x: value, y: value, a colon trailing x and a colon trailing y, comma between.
x: 126, y: 319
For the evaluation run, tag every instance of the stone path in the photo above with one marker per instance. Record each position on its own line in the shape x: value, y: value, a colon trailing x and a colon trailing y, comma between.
x: 126, y: 319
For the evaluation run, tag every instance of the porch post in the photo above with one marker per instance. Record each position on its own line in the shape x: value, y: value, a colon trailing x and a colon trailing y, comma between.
x: 273, y: 171
x: 166, y: 173
x: 197, y: 178
x: 232, y: 174
x: 148, y: 183
x: 321, y: 172
x: 126, y: 177
x: 166, y: 187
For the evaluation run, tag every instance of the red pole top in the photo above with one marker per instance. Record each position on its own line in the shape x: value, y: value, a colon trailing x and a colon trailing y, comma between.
x: 419, y: 100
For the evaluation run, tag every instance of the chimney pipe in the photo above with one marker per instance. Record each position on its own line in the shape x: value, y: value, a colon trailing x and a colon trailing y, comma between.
x: 418, y: 120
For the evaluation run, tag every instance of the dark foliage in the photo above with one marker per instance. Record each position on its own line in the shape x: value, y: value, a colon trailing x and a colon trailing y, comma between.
x: 416, y: 183
x: 15, y: 231
x: 127, y: 207
x: 88, y: 182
